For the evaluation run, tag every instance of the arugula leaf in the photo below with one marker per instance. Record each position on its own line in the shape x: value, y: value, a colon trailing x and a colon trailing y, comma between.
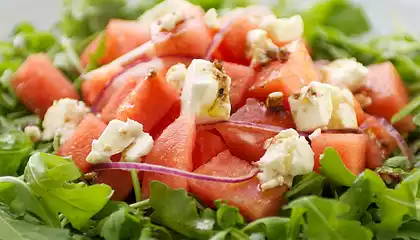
x: 362, y: 194
x: 310, y: 184
x: 17, y: 195
x: 272, y: 228
x: 410, y: 108
x: 228, y: 216
x: 21, y: 230
x: 323, y: 222
x: 338, y: 14
x: 171, y: 205
x: 15, y: 146
x: 122, y: 224
x: 334, y: 169
x: 398, y: 162
x: 50, y: 177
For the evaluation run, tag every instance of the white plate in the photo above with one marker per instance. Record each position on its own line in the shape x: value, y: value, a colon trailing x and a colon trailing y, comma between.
x: 386, y: 15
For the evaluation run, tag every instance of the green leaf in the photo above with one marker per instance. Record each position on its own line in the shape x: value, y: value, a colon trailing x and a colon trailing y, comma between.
x: 333, y: 168
x: 339, y: 14
x: 122, y: 224
x: 272, y: 228
x: 322, y: 221
x: 12, y: 229
x: 398, y: 162
x: 362, y: 194
x: 15, y: 147
x: 407, y: 110
x: 171, y: 205
x: 228, y: 216
x: 50, y: 176
x: 17, y: 195
x: 410, y: 230
x: 310, y: 184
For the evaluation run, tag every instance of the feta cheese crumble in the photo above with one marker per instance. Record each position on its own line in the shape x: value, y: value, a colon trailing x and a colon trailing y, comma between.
x: 283, y: 30
x: 169, y: 21
x: 62, y: 118
x: 347, y: 73
x: 33, y: 132
x: 176, y: 76
x: 206, y: 92
x: 260, y: 48
x: 321, y: 105
x: 126, y: 137
x: 211, y: 19
x: 287, y: 156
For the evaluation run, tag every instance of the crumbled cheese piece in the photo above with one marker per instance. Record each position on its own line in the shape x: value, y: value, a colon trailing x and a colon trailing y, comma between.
x: 211, y: 19
x: 140, y: 147
x: 274, y: 101
x: 346, y: 73
x: 169, y: 21
x: 287, y: 156
x: 315, y: 134
x: 320, y: 105
x: 260, y: 48
x: 118, y: 137
x: 176, y: 76
x: 283, y: 30
x: 62, y: 118
x: 206, y: 92
x: 33, y: 132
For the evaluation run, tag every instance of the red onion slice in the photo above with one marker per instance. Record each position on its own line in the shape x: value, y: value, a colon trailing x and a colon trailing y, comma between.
x: 405, y: 150
x: 145, y: 167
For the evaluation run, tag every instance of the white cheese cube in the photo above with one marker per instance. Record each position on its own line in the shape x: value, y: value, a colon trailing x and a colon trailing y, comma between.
x: 287, y: 155
x: 211, y: 19
x: 312, y: 108
x: 206, y: 92
x: 169, y: 21
x: 139, y: 148
x: 283, y: 30
x: 176, y: 76
x: 62, y: 118
x: 118, y: 135
x: 346, y: 73
x: 320, y: 105
x: 344, y: 114
x: 260, y: 48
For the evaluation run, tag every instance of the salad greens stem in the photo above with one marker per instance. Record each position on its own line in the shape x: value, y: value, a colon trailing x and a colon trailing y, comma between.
x: 136, y: 184
x: 142, y: 204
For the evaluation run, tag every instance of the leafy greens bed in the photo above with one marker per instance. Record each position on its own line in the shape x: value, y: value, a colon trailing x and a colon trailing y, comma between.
x: 43, y: 196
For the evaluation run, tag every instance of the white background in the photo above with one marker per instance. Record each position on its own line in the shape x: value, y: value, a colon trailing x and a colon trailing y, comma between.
x: 384, y: 14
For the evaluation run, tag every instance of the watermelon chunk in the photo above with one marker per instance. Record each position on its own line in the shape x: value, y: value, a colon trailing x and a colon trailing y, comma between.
x: 167, y: 120
x: 288, y: 77
x: 173, y: 149
x: 80, y: 145
x: 190, y: 38
x: 149, y: 102
x: 207, y: 146
x: 121, y: 36
x: 246, y: 141
x: 351, y: 147
x: 137, y: 71
x: 252, y: 203
x: 242, y: 77
x: 388, y: 93
x: 380, y: 145
x: 38, y: 83
x: 256, y: 112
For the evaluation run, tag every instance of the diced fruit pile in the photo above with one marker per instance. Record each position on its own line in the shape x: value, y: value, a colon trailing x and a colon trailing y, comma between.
x: 215, y: 96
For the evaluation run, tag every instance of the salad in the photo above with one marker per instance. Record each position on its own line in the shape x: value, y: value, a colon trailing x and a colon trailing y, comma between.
x: 209, y: 120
